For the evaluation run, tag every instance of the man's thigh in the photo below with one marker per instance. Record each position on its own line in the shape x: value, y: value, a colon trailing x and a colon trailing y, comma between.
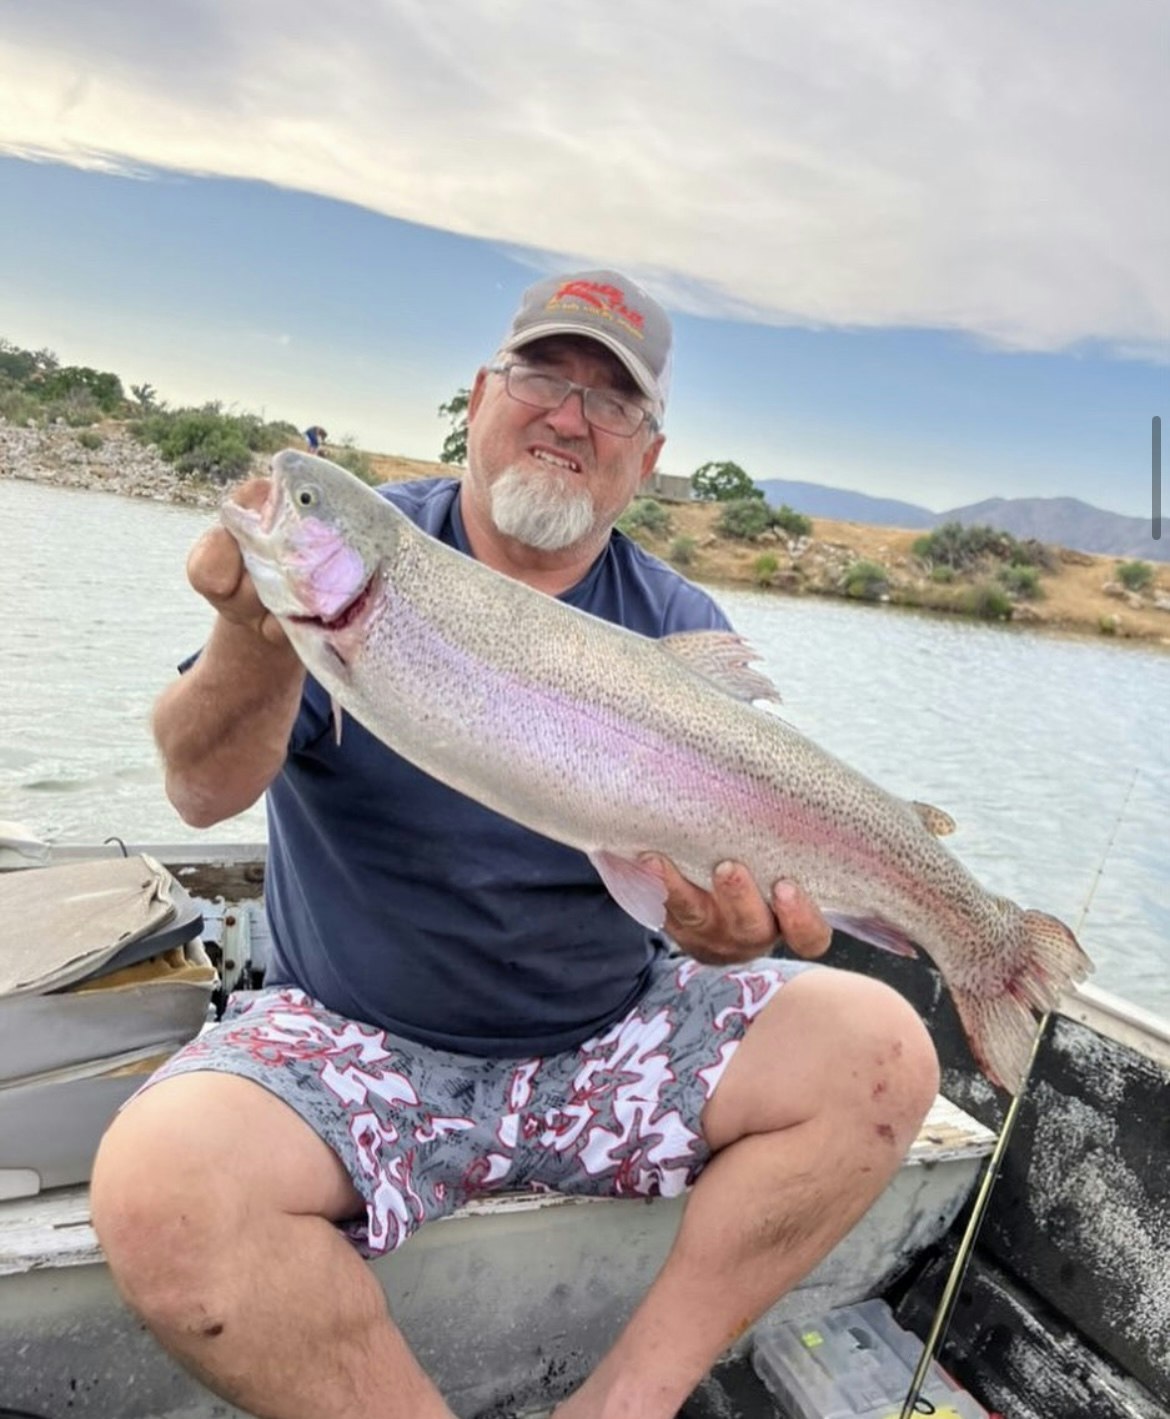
x: 227, y: 1140
x: 415, y: 1130
x: 621, y: 1115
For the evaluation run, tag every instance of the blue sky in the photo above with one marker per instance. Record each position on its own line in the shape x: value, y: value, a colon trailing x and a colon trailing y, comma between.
x: 920, y: 251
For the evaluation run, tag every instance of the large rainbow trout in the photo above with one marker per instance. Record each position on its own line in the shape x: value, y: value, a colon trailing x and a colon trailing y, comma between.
x: 618, y: 745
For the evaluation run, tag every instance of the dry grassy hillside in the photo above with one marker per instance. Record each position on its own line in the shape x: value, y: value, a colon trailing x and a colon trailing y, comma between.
x: 1080, y: 594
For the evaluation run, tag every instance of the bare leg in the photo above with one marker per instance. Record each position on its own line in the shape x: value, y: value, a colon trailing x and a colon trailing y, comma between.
x: 214, y: 1202
x: 810, y: 1122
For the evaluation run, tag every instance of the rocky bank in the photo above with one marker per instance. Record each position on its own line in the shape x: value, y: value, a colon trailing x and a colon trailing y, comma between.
x: 104, y: 458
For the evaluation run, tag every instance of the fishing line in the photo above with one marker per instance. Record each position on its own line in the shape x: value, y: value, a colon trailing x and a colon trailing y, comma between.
x: 946, y: 1305
x: 1108, y: 849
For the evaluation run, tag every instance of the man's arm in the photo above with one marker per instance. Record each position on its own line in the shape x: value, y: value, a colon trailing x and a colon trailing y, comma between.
x: 223, y: 728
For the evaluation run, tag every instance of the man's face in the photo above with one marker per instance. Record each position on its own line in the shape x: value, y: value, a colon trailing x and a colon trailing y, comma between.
x: 545, y: 476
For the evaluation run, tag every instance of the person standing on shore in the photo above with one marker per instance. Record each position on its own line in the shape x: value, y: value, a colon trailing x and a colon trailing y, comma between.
x: 456, y: 1005
x: 315, y: 437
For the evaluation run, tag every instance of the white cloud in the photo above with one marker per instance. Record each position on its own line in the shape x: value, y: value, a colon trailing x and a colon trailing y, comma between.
x: 990, y: 168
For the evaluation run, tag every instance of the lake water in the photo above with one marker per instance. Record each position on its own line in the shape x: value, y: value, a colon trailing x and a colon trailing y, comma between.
x: 1053, y: 755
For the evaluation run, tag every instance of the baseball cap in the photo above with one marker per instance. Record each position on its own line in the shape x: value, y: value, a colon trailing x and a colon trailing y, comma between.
x: 603, y: 306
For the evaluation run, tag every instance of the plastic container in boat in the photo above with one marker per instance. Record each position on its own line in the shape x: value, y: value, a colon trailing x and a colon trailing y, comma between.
x: 854, y: 1362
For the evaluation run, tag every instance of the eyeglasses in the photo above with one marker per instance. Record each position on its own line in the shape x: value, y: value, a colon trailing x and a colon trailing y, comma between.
x: 605, y: 410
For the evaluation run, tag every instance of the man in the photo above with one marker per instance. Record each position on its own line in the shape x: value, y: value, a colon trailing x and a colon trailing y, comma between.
x: 463, y: 957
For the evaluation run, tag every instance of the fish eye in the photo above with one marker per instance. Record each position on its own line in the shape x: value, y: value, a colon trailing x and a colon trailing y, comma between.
x: 307, y: 495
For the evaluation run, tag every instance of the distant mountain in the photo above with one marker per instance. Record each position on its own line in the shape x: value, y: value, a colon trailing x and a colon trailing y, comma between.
x: 1069, y: 523
x: 843, y: 505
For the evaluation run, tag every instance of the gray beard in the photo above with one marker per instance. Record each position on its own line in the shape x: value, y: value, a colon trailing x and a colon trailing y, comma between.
x: 539, y: 512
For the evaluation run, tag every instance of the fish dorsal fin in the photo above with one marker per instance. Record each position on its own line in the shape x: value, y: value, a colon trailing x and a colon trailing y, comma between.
x: 724, y: 658
x: 934, y: 820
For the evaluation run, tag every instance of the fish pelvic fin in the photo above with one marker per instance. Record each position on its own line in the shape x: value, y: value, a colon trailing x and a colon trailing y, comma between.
x: 724, y: 658
x: 934, y: 820
x: 873, y: 930
x: 636, y: 888
x: 1001, y: 1029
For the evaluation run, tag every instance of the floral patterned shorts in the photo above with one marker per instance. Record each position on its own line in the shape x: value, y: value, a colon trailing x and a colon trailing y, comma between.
x: 421, y: 1131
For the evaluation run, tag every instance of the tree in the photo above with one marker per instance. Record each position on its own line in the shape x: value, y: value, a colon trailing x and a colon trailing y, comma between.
x: 104, y: 388
x: 723, y: 483
x: 25, y: 366
x: 455, y: 444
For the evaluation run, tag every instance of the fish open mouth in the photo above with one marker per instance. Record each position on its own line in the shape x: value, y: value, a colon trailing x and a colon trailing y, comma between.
x: 349, y: 613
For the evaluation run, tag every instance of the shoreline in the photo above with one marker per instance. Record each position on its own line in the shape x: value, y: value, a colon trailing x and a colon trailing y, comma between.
x: 1081, y: 596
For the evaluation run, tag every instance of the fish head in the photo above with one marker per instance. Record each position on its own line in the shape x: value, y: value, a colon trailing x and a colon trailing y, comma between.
x: 314, y: 548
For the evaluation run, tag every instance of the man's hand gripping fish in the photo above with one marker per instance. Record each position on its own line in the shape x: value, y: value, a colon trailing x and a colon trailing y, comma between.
x: 620, y: 745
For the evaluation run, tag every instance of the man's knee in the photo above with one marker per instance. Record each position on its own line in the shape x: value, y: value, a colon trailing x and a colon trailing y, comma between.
x: 834, y: 1044
x: 884, y: 1068
x: 160, y: 1222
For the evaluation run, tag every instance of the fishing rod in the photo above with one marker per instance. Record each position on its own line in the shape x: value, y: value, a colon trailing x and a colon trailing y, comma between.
x: 944, y: 1312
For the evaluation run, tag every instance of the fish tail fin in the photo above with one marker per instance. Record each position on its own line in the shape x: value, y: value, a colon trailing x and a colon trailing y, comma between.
x: 1002, y: 1028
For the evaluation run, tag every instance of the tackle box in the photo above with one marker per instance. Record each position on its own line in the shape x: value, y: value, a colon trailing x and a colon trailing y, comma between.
x: 854, y: 1362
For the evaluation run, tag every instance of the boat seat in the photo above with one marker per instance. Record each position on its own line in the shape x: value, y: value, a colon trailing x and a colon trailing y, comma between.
x: 103, y: 975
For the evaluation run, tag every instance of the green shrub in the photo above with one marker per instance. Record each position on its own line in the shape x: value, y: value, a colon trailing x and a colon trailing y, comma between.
x: 90, y: 440
x: 944, y: 575
x: 866, y: 581
x: 19, y: 407
x: 645, y: 515
x: 987, y: 601
x: 794, y: 523
x: 764, y: 568
x: 355, y: 461
x: 209, y: 443
x: 745, y: 518
x: 1023, y: 582
x: 1033, y: 553
x: 220, y: 455
x: 953, y: 545
x: 682, y: 551
x: 1135, y: 576
x: 203, y: 442
x: 261, y: 436
x: 78, y: 409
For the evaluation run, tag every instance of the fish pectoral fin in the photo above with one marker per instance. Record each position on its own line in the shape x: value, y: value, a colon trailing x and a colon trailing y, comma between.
x: 634, y: 887
x: 874, y: 930
x: 724, y: 658
x: 934, y: 820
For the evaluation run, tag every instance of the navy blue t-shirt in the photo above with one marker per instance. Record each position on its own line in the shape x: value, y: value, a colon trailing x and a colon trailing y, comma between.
x: 400, y: 902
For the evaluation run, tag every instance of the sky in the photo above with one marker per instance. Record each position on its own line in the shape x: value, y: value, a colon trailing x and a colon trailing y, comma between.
x: 920, y: 250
